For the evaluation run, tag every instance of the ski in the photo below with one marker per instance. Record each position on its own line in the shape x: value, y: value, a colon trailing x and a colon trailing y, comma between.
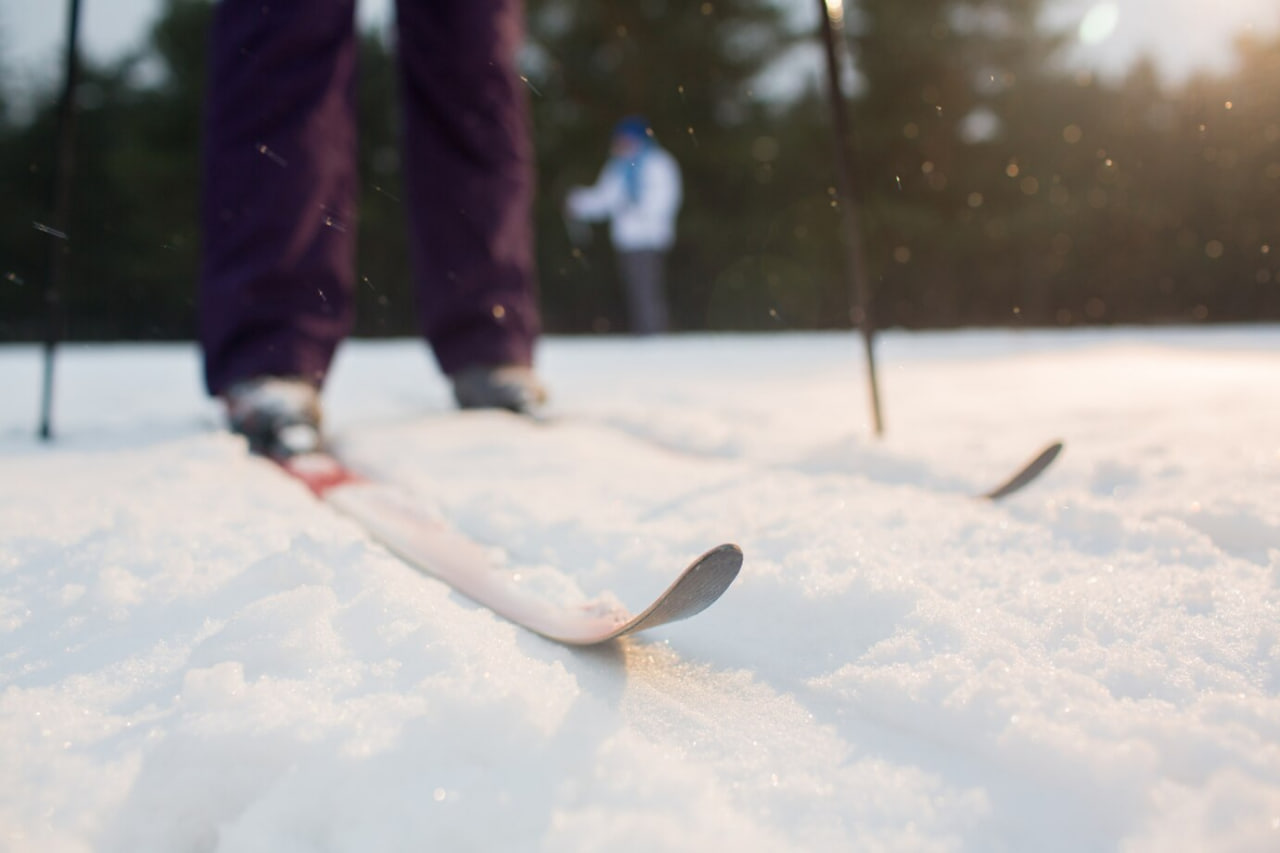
x: 1025, y: 475
x: 429, y: 544
x: 1020, y: 479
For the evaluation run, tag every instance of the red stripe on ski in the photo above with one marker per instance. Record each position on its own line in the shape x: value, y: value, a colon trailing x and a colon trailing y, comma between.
x: 319, y: 472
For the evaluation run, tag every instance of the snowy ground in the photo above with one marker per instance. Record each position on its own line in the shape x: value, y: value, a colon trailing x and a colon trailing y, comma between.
x: 195, y: 655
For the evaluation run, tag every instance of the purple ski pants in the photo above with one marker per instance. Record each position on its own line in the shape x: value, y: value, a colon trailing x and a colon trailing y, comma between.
x: 279, y: 217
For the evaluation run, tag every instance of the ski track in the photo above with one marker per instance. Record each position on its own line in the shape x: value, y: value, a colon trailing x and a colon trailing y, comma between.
x: 198, y: 656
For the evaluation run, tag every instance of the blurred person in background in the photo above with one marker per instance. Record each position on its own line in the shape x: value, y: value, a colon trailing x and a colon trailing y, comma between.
x: 639, y: 191
x: 278, y: 217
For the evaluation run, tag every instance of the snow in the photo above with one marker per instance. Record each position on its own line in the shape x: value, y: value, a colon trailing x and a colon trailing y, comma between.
x: 195, y: 655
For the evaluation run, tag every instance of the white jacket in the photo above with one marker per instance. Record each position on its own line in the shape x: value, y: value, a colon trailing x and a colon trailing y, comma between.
x: 649, y: 222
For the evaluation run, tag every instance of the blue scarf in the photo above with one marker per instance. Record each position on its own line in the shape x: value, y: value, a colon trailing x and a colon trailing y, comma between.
x: 630, y: 166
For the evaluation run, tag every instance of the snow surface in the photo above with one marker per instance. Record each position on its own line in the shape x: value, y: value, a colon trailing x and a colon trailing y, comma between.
x: 195, y: 655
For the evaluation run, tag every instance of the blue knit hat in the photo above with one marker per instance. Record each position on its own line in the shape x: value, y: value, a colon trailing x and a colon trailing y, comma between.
x: 632, y: 127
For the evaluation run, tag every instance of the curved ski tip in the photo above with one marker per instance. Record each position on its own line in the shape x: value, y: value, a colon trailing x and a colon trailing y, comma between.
x: 712, y: 573
x: 727, y: 548
x: 1050, y: 453
x: 1027, y: 473
x: 698, y: 587
x: 727, y: 557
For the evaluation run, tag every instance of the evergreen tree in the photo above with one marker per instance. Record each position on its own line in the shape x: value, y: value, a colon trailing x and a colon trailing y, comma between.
x: 942, y: 85
x: 998, y: 188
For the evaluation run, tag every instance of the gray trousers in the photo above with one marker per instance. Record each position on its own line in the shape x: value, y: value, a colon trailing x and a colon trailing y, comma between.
x: 643, y: 274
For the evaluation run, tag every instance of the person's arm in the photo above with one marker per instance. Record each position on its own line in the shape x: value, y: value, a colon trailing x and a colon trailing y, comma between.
x: 597, y: 202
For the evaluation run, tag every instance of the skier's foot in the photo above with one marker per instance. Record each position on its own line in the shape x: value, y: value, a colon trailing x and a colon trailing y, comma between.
x: 280, y: 416
x: 506, y: 386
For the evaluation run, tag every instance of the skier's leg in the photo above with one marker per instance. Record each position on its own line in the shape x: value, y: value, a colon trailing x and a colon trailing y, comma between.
x: 658, y: 291
x: 469, y: 180
x: 279, y: 189
x: 642, y: 275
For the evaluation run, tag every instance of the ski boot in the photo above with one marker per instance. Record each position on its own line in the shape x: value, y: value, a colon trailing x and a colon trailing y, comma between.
x: 509, y: 386
x: 278, y: 415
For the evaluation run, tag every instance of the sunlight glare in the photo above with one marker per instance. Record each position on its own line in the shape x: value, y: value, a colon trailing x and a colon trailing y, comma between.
x: 1099, y: 23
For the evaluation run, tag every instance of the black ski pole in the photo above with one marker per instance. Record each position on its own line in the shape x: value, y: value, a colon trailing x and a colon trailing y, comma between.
x: 855, y: 256
x: 58, y: 256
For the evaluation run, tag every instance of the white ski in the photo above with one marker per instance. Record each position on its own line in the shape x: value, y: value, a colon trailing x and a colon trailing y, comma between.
x: 432, y: 546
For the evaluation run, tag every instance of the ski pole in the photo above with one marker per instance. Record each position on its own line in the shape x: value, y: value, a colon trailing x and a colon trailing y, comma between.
x: 63, y: 166
x: 855, y: 256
